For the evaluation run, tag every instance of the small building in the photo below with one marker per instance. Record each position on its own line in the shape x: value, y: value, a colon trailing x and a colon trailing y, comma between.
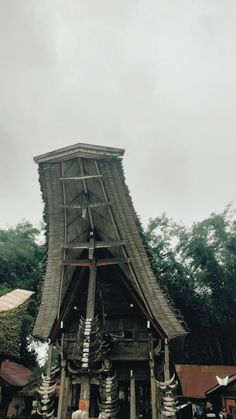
x: 215, y: 383
x: 224, y: 392
x: 13, y: 377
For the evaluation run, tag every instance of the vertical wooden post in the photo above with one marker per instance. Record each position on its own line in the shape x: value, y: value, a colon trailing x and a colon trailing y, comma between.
x: 65, y: 401
x: 158, y: 402
x: 85, y: 378
x: 167, y: 361
x: 49, y: 363
x: 152, y: 378
x: 62, y: 391
x: 153, y: 395
x: 132, y: 396
x: 167, y: 365
x: 49, y: 366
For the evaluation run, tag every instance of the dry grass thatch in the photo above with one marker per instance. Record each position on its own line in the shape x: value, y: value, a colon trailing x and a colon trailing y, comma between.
x: 94, y: 196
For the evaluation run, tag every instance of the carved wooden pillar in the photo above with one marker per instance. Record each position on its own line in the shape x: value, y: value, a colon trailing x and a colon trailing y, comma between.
x: 167, y: 365
x: 84, y: 401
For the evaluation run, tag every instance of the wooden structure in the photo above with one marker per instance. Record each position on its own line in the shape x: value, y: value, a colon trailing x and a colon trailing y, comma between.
x: 13, y: 377
x: 101, y: 299
x: 223, y: 394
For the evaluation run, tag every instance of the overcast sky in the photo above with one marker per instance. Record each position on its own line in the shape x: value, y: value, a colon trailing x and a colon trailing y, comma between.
x: 154, y: 77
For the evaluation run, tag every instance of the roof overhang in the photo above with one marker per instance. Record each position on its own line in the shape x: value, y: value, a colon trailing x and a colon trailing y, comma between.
x: 80, y: 150
x: 229, y: 381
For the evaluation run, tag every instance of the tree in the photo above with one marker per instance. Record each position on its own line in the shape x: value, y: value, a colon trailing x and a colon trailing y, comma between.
x: 197, y: 266
x: 21, y: 266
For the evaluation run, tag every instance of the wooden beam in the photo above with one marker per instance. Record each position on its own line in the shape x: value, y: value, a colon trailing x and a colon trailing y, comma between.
x: 91, y: 205
x: 65, y: 239
x: 66, y: 303
x: 98, y: 244
x: 84, y: 182
x: 114, y: 261
x: 99, y: 262
x: 85, y: 177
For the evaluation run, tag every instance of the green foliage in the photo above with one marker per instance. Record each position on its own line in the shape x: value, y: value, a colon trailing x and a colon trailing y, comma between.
x: 20, y: 257
x: 4, y: 290
x: 10, y: 333
x: 197, y: 266
x: 21, y: 266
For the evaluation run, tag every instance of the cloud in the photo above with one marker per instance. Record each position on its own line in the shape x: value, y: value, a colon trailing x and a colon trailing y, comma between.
x: 156, y: 78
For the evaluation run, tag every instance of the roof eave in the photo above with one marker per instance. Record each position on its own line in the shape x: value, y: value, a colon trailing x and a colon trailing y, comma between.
x: 80, y: 150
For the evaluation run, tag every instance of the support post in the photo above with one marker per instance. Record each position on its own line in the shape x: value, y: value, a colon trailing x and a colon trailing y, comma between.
x: 167, y: 365
x: 152, y: 379
x: 159, y: 415
x: 49, y: 366
x: 133, y: 414
x: 167, y: 361
x: 85, y: 378
x: 153, y: 395
x: 62, y: 391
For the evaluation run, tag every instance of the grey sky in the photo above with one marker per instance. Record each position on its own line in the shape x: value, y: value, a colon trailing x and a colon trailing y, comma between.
x: 154, y: 77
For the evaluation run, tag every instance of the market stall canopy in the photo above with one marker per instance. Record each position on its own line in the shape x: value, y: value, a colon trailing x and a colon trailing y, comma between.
x: 14, y: 299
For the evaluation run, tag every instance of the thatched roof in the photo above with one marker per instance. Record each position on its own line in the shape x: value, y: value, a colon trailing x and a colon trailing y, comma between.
x: 84, y: 189
x: 14, y: 299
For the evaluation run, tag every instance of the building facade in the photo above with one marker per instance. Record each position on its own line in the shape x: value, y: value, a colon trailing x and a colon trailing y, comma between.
x: 101, y: 299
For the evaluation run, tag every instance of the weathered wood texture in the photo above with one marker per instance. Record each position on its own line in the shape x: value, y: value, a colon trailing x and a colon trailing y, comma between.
x: 123, y: 320
x: 133, y: 410
x: 107, y: 202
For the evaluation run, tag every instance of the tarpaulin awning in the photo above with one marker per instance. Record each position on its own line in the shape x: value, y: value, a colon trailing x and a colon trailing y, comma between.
x: 14, y: 299
x: 13, y: 374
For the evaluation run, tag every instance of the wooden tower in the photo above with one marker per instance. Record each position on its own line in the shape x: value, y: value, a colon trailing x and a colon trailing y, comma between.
x: 101, y: 299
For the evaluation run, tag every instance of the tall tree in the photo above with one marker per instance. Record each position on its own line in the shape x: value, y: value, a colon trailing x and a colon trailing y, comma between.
x: 197, y: 266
